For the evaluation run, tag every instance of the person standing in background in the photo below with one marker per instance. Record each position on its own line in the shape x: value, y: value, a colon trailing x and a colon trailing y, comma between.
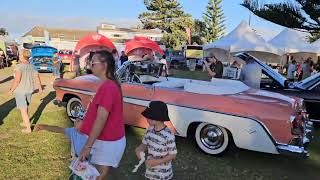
x: 23, y: 87
x: 76, y: 64
x: 306, y: 68
x: 213, y: 66
x: 251, y: 74
x: 165, y: 62
x: 123, y: 57
x: 116, y: 58
x: 317, y: 66
x: 291, y: 70
x: 56, y: 64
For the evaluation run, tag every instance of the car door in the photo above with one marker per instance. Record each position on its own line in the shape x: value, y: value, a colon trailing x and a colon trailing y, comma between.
x: 136, y: 97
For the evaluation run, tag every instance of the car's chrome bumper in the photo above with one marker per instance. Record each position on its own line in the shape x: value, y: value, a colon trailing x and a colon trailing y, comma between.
x: 295, y: 149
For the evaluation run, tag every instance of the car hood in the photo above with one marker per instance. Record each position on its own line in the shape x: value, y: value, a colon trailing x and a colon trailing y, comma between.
x: 43, y: 51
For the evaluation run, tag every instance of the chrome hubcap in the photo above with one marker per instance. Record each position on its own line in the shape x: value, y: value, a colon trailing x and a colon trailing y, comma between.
x: 212, y: 136
x: 76, y: 109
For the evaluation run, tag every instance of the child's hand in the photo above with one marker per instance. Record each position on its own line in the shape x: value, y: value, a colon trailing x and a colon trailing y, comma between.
x: 151, y: 163
x: 138, y: 152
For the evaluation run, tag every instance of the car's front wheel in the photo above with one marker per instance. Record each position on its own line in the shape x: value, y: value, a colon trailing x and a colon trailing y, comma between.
x: 74, y: 108
x: 212, y: 139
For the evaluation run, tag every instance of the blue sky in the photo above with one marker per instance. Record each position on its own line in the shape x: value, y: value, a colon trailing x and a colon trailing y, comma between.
x: 19, y: 16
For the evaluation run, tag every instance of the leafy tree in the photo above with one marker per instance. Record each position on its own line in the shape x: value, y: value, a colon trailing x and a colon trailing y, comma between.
x: 301, y: 15
x: 168, y: 16
x: 214, y: 20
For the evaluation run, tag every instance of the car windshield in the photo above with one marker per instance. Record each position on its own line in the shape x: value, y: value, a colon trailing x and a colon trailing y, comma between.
x: 131, y: 71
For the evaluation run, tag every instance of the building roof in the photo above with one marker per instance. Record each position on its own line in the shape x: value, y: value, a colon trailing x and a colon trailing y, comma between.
x: 150, y: 31
x: 67, y: 34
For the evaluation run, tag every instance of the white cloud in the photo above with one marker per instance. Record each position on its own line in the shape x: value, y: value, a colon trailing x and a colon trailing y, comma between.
x: 17, y: 25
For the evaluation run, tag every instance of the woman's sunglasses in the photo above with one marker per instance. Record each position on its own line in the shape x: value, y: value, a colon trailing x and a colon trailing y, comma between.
x: 94, y: 63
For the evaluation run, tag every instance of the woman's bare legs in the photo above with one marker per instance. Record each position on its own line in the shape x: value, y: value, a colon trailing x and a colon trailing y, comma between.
x: 25, y: 119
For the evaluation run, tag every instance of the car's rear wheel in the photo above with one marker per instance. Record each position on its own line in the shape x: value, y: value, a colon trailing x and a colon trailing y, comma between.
x: 74, y: 108
x: 212, y: 139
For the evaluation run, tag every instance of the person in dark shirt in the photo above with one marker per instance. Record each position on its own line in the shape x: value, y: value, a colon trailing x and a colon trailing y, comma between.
x: 317, y: 66
x: 123, y: 57
x: 76, y: 63
x: 213, y: 66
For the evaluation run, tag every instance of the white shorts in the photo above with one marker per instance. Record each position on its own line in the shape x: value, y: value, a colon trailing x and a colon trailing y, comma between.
x: 108, y: 153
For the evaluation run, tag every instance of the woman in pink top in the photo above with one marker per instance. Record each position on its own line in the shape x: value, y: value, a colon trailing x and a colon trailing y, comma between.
x: 104, y: 123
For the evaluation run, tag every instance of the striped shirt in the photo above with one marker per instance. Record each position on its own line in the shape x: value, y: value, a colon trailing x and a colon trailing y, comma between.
x: 159, y: 144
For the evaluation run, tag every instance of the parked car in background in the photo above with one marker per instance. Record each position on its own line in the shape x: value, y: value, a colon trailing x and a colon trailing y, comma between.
x: 176, y: 58
x: 189, y: 55
x: 66, y: 56
x: 214, y: 113
x: 308, y: 89
x: 42, y: 58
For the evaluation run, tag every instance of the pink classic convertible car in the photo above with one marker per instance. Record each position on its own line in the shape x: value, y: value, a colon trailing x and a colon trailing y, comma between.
x: 215, y: 113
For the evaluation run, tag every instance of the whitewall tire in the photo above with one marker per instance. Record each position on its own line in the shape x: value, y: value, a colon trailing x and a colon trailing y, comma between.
x: 74, y: 108
x: 212, y: 139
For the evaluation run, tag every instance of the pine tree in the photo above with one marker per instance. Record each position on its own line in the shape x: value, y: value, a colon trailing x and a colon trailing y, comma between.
x: 302, y: 15
x: 168, y: 16
x: 198, y: 32
x: 214, y: 20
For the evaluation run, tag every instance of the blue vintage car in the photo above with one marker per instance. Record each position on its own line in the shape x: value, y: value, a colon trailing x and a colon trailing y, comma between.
x: 42, y: 58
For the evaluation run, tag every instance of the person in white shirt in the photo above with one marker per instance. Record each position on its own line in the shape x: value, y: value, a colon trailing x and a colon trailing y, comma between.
x: 251, y: 74
x: 291, y: 70
x: 164, y: 61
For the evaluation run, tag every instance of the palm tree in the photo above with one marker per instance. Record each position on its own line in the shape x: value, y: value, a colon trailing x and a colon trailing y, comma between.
x: 302, y: 15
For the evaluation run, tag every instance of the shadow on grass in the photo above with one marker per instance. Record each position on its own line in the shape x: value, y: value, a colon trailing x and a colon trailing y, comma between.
x: 5, y: 109
x: 44, y: 102
x: 6, y: 79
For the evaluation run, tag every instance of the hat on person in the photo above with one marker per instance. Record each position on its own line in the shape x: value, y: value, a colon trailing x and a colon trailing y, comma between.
x: 157, y: 111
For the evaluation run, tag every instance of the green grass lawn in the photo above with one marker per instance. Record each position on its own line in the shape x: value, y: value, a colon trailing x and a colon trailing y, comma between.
x: 44, y: 155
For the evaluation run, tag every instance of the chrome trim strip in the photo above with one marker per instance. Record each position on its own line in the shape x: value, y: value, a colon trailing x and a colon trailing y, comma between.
x: 90, y: 93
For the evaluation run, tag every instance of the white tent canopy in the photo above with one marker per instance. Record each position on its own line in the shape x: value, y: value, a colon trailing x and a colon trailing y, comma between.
x: 290, y: 41
x: 316, y: 44
x: 243, y: 38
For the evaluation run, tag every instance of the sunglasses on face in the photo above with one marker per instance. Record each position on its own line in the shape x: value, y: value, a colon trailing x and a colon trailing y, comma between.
x: 94, y: 63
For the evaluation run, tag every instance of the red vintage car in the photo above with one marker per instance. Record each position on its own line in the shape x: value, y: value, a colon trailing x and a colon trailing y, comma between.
x: 215, y: 113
